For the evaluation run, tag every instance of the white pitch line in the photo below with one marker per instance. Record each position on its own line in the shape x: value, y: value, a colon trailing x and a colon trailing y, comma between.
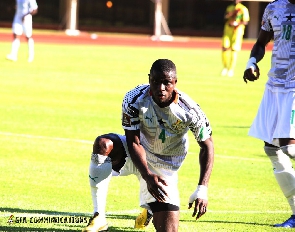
x: 91, y: 142
x: 242, y: 158
x: 46, y: 137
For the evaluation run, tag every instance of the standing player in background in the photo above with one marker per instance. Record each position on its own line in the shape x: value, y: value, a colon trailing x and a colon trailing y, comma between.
x: 236, y: 18
x: 156, y: 118
x: 275, y: 120
x: 23, y: 23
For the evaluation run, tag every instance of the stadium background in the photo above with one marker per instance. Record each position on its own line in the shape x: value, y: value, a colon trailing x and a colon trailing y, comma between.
x: 186, y: 17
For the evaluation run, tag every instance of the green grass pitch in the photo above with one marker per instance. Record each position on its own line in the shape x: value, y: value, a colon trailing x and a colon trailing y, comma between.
x: 52, y: 109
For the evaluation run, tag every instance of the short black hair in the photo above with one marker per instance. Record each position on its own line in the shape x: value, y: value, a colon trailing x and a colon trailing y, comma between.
x: 163, y: 66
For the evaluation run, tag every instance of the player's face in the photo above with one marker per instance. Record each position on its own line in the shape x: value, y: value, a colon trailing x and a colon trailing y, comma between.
x: 162, y: 87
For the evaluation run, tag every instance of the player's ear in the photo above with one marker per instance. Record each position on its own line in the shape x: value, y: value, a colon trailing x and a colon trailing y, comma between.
x: 149, y: 76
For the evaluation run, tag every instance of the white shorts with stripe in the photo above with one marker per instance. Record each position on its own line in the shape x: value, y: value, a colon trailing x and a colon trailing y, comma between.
x: 276, y: 115
x: 170, y: 176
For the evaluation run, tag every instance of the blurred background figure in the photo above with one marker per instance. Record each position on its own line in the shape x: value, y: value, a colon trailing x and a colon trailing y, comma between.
x: 236, y: 18
x: 23, y: 23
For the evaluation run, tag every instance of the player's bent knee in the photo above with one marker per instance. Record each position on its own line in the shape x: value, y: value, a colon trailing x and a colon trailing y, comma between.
x: 283, y: 170
x: 289, y: 150
x: 280, y: 161
x: 102, y: 145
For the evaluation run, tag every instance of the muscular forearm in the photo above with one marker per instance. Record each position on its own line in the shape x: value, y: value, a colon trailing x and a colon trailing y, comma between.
x: 138, y: 156
x: 258, y: 51
x: 206, y: 159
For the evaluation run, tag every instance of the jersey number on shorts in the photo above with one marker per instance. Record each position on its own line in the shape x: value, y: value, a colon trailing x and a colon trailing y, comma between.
x: 162, y: 136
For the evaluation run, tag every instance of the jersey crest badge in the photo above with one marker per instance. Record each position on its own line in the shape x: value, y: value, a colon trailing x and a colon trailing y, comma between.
x: 178, y: 125
x: 126, y: 120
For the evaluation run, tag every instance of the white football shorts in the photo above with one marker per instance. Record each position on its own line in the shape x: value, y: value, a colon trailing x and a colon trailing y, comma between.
x: 171, y: 177
x: 276, y: 116
x: 19, y: 27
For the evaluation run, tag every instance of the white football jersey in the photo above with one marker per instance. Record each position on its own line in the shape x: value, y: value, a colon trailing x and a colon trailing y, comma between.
x: 279, y: 17
x: 23, y: 7
x: 164, y: 131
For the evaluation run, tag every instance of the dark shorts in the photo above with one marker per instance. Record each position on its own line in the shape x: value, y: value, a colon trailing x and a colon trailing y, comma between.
x: 162, y: 206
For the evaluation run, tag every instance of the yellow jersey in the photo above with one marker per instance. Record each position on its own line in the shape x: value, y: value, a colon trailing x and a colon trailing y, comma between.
x: 240, y: 14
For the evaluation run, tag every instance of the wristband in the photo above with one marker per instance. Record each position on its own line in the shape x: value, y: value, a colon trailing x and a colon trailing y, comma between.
x: 251, y: 63
x: 201, y: 192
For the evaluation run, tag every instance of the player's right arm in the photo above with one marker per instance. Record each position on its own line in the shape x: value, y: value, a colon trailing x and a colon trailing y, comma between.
x: 138, y: 156
x: 252, y: 71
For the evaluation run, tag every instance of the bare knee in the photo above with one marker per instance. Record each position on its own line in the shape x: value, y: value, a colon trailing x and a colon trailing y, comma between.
x: 102, y: 146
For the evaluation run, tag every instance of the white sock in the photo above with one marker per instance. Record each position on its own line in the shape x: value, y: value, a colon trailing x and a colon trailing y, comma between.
x: 284, y: 173
x: 100, y: 173
x: 14, y: 47
x: 31, y: 48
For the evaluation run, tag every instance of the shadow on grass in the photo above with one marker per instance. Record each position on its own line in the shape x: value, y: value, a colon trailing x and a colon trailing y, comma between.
x: 229, y: 222
x: 238, y: 127
x: 121, y: 216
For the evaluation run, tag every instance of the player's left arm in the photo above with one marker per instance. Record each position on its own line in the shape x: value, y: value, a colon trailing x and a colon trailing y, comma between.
x: 33, y: 10
x: 206, y: 159
x: 252, y: 71
x: 200, y: 197
x: 245, y: 17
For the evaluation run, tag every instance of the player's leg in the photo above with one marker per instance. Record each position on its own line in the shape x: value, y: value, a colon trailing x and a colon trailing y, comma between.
x: 225, y: 60
x: 286, y: 178
x: 166, y: 216
x: 237, y: 39
x: 28, y: 30
x: 17, y: 29
x: 14, y: 48
x: 283, y: 170
x: 225, y: 53
x: 31, y: 49
x: 233, y: 62
x: 144, y: 218
x: 284, y: 129
x: 107, y: 148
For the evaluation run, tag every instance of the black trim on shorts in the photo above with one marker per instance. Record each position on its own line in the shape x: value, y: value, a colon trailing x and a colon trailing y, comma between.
x: 118, y: 166
x: 162, y: 206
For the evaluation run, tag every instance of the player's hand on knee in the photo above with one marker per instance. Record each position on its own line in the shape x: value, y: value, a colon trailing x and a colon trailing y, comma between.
x: 252, y: 71
x: 155, y: 187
